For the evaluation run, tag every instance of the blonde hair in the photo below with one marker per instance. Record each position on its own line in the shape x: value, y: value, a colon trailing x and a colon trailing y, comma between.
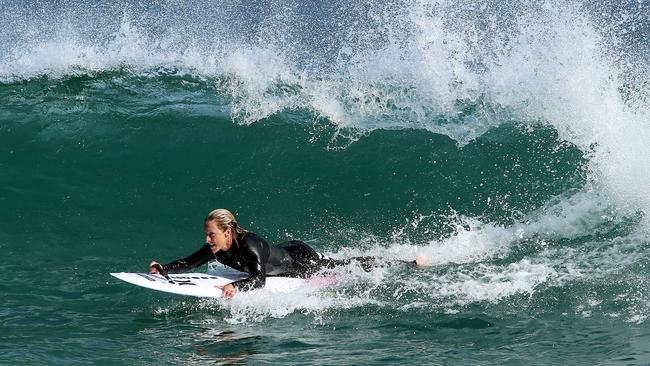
x: 224, y: 220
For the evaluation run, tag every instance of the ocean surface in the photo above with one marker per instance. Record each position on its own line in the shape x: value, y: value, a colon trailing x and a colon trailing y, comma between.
x: 507, y: 141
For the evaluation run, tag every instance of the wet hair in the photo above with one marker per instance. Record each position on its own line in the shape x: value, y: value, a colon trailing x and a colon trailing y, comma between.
x: 224, y: 220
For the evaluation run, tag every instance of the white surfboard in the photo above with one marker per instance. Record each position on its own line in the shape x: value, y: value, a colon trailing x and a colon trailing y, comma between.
x: 203, y: 284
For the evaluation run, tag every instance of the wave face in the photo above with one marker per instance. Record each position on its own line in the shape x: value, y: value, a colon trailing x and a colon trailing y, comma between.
x: 505, y: 141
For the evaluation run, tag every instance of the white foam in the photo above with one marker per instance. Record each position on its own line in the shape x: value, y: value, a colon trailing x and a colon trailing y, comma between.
x: 353, y: 288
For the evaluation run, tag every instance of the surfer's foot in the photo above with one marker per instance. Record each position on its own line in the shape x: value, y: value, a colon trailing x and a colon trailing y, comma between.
x: 422, y: 261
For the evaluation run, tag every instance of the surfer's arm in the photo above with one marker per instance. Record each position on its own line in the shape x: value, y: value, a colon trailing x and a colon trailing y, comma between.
x: 196, y: 259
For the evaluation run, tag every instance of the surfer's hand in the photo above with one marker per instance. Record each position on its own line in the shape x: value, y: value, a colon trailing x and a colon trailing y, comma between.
x: 152, y: 268
x: 227, y: 291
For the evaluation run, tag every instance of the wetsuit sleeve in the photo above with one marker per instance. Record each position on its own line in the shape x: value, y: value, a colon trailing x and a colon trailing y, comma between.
x: 253, y: 253
x: 196, y: 259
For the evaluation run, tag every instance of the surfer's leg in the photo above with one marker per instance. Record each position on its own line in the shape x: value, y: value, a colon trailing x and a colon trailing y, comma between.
x: 306, y: 259
x: 368, y: 263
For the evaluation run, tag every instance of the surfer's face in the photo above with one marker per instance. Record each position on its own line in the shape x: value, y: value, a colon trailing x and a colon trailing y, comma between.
x: 216, y: 238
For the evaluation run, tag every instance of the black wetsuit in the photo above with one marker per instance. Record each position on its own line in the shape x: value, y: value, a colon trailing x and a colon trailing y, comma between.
x: 251, y: 254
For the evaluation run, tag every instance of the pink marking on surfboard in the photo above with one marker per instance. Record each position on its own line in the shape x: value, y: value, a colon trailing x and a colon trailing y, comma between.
x: 322, y: 280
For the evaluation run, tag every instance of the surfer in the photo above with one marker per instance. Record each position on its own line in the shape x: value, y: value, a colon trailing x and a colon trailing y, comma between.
x: 245, y: 251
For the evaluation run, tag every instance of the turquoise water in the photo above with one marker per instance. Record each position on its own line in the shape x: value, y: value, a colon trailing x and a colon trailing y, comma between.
x: 507, y: 142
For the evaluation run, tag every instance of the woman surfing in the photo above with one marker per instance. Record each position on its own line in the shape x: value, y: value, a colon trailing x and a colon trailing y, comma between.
x: 245, y: 251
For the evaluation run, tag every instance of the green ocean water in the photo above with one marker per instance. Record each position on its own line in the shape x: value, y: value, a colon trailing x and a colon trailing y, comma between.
x: 526, y: 189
